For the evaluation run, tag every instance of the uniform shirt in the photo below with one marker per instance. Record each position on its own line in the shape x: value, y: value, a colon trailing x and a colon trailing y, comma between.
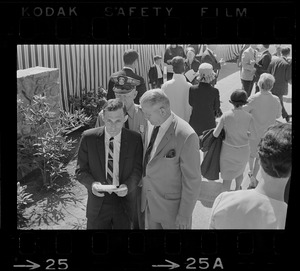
x: 161, y: 132
x: 247, y: 209
x: 116, y: 156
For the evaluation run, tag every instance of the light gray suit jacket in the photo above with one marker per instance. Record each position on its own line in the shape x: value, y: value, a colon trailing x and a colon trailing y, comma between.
x: 248, y: 70
x: 172, y: 184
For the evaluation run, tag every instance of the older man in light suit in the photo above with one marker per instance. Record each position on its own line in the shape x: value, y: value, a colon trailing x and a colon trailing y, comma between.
x: 171, y: 177
x: 248, y: 70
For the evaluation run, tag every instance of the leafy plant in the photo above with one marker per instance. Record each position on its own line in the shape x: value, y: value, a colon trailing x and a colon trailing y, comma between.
x: 91, y: 102
x: 45, y: 144
x: 50, y: 150
x: 23, y: 198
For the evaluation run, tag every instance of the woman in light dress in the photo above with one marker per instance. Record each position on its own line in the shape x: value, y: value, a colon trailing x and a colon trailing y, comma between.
x: 239, y: 128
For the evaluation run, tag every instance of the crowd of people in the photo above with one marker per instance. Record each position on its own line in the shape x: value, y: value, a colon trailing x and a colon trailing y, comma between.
x: 141, y: 164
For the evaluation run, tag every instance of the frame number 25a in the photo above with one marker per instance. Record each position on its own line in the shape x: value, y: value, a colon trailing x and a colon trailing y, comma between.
x: 204, y: 263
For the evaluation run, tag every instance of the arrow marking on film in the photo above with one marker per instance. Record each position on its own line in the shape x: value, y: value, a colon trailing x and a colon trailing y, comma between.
x: 171, y: 265
x: 32, y: 265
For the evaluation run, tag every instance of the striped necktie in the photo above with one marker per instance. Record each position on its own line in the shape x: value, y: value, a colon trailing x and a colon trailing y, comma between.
x: 150, y: 147
x: 110, y: 162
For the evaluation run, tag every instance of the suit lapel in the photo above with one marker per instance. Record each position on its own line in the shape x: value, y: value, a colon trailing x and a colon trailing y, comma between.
x: 166, y: 138
x: 123, y: 151
x: 101, y: 147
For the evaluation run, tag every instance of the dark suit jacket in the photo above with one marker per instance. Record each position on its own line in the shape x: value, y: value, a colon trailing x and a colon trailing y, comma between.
x: 280, y: 68
x: 91, y: 165
x: 262, y: 65
x: 205, y: 100
x: 141, y: 89
x: 153, y: 76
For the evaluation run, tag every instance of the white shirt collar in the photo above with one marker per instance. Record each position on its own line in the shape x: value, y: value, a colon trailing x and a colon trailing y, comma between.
x: 167, y: 122
x: 125, y: 67
x: 108, y: 136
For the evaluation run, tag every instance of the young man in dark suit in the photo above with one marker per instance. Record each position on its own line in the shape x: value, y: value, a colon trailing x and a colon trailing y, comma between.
x: 130, y: 59
x: 110, y: 167
x: 262, y: 65
x: 156, y: 73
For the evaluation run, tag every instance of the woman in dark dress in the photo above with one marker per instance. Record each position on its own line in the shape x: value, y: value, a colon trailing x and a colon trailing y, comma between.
x: 205, y: 100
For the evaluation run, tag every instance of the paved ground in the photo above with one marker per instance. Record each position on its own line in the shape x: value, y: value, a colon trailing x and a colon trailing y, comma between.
x: 229, y: 81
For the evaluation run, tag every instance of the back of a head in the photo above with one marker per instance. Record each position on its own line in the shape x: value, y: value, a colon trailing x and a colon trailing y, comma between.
x: 266, y: 46
x: 178, y: 64
x: 266, y: 81
x: 275, y: 150
x: 285, y: 51
x: 155, y: 96
x: 130, y: 56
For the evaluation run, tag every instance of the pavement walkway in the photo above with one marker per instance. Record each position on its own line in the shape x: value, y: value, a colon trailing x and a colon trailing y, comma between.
x: 229, y: 81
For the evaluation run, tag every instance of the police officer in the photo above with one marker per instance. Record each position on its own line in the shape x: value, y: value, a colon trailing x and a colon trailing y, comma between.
x: 125, y: 90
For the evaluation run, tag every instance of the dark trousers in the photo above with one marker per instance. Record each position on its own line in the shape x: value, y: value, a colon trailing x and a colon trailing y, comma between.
x: 283, y: 111
x: 133, y: 203
x: 169, y: 76
x: 158, y: 83
x: 112, y: 215
x: 247, y: 86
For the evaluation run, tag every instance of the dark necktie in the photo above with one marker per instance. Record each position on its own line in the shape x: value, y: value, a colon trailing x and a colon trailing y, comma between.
x: 149, y: 149
x: 126, y: 122
x: 110, y: 162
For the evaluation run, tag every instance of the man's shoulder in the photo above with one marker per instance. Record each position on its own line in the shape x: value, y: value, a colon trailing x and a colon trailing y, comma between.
x: 118, y: 73
x: 182, y: 127
x: 131, y: 135
x: 231, y: 198
x: 132, y: 74
x: 93, y: 132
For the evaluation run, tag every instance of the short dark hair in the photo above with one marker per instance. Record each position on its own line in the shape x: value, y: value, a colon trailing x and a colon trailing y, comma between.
x: 285, y: 51
x: 130, y: 56
x: 275, y: 150
x: 178, y: 64
x: 114, y: 105
x: 238, y: 97
x: 266, y: 45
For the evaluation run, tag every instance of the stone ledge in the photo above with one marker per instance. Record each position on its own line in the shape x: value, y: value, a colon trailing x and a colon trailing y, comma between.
x: 34, y: 71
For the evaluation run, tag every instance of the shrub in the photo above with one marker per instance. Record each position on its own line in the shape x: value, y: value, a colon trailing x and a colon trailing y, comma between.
x: 90, y: 102
x: 45, y: 143
x: 23, y: 199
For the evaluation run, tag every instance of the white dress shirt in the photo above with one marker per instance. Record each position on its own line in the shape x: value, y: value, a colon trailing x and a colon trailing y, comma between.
x: 247, y: 209
x: 116, y: 156
x: 161, y: 132
x: 159, y: 73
